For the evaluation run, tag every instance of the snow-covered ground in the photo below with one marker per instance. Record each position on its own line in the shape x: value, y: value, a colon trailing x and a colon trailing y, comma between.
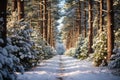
x: 67, y: 68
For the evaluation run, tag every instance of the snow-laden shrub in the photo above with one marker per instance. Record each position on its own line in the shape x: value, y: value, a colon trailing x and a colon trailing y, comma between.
x: 82, y: 49
x: 19, y: 33
x: 9, y: 63
x: 27, y: 54
x: 100, y: 49
x: 115, y: 58
x: 70, y: 52
x: 116, y: 14
x: 78, y: 48
x: 43, y: 47
x: 49, y: 52
x: 117, y: 38
x: 27, y: 41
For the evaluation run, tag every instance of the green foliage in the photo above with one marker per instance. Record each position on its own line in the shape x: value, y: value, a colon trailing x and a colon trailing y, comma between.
x: 31, y: 49
x: 82, y: 56
x: 115, y: 59
x: 26, y: 53
x: 70, y: 52
x: 116, y: 14
x: 82, y: 49
x: 9, y: 63
x: 100, y: 49
x: 25, y: 47
x: 117, y: 38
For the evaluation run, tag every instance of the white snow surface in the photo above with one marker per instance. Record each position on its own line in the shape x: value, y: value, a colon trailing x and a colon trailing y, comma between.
x: 62, y: 67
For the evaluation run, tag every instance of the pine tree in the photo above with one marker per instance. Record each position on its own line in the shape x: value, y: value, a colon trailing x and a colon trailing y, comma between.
x: 110, y: 34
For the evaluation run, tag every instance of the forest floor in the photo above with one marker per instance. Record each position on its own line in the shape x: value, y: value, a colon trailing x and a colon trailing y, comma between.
x: 62, y: 67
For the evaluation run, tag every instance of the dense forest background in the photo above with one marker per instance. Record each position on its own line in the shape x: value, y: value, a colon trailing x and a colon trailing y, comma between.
x: 29, y: 33
x: 93, y: 28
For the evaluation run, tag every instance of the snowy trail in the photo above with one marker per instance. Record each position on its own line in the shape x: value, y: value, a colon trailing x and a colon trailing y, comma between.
x: 67, y: 68
x: 48, y: 70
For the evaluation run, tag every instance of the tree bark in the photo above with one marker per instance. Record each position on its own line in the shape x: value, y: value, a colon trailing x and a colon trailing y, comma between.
x: 20, y: 9
x: 68, y: 40
x: 41, y: 18
x: 45, y: 29
x: 110, y: 34
x: 101, y: 17
x: 79, y: 7
x: 14, y: 4
x: 51, y: 35
x: 85, y: 34
x: 98, y: 15
x: 49, y: 23
x: 90, y: 50
x: 77, y: 26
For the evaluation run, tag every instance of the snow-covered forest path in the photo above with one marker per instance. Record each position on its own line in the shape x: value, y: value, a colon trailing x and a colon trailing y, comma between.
x: 62, y: 67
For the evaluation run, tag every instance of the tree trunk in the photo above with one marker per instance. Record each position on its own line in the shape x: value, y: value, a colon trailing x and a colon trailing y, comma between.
x: 20, y: 9
x: 101, y: 17
x: 76, y: 31
x: 49, y: 23
x: 110, y: 34
x: 68, y: 40
x: 98, y: 15
x: 45, y: 20
x: 77, y: 26
x: 79, y: 7
x: 49, y: 26
x: 85, y: 35
x: 90, y: 28
x: 3, y: 23
x: 14, y: 4
x: 71, y: 37
x: 41, y: 18
x: 51, y: 35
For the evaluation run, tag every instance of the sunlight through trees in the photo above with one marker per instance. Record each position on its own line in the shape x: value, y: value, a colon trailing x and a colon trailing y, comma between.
x: 29, y: 33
